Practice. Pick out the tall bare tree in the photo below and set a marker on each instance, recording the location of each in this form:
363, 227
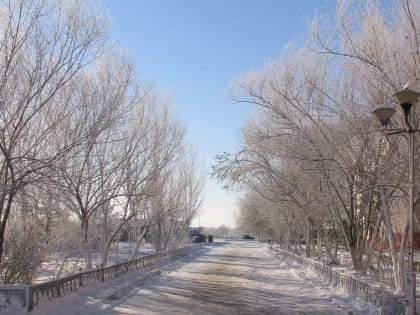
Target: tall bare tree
89, 175
43, 46
313, 125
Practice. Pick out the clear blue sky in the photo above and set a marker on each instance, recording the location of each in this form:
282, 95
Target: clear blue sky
193, 49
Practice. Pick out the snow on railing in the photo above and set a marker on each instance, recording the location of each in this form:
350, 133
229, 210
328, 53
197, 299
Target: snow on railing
354, 287
15, 295
27, 296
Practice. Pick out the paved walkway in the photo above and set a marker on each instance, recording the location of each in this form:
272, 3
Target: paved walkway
235, 278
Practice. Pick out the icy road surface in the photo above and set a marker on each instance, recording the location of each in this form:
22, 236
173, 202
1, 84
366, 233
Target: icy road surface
234, 278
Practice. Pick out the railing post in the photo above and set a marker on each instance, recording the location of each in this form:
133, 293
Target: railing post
28, 298
383, 304
80, 278
354, 287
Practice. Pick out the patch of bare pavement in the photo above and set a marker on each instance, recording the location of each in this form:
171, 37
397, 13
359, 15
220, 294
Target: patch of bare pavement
237, 277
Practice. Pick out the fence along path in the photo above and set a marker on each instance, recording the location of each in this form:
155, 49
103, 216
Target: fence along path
28, 296
381, 298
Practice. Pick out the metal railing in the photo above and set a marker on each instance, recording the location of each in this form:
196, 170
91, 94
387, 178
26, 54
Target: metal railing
28, 296
354, 287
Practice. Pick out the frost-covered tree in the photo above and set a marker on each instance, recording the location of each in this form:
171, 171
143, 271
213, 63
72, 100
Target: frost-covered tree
313, 148
43, 46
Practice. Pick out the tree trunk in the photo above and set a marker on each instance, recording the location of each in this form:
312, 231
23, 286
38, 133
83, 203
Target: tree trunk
138, 243
356, 258
168, 236
397, 262
108, 244
319, 245
3, 223
400, 266
287, 240
308, 238
86, 244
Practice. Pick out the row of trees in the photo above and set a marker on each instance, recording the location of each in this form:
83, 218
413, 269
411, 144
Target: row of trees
82, 143
313, 163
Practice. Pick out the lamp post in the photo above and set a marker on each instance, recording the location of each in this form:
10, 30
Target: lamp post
406, 98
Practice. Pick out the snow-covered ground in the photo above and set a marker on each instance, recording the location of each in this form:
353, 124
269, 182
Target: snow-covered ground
76, 263
235, 277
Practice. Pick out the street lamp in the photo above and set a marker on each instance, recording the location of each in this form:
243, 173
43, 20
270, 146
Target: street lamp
406, 98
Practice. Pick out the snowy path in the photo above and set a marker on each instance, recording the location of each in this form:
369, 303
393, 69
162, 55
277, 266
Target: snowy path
226, 278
